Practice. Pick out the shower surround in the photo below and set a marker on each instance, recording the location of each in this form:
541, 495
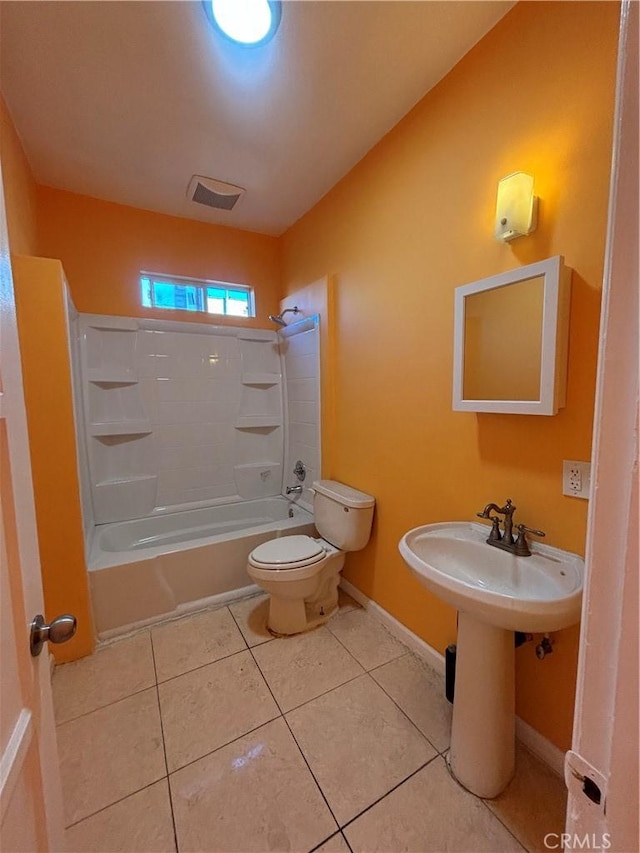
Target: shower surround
189, 434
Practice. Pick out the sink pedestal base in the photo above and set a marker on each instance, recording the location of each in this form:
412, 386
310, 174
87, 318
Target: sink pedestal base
482, 754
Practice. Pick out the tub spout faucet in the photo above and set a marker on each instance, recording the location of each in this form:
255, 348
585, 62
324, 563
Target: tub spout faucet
293, 490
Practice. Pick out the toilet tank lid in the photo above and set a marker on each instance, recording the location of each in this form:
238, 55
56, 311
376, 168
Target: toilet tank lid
343, 494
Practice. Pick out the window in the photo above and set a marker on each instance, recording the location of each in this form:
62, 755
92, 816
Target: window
176, 293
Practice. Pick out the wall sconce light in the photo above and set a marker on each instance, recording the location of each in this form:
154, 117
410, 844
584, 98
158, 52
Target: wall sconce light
517, 207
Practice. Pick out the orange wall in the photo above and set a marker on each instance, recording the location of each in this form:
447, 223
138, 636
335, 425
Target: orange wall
104, 246
405, 227
41, 311
19, 188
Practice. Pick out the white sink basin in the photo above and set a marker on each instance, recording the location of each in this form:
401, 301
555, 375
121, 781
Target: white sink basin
495, 593
539, 593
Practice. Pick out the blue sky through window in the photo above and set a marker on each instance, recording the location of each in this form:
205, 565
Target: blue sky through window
192, 295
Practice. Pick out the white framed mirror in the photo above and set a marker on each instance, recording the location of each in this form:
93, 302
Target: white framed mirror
510, 341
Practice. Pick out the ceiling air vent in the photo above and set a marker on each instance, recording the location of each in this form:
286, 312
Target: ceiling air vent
213, 193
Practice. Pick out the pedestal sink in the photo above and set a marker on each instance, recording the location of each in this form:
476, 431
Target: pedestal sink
496, 593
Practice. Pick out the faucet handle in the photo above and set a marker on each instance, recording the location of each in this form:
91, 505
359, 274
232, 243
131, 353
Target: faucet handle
495, 535
523, 529
521, 546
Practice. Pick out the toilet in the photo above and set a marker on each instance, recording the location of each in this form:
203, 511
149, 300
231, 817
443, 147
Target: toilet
301, 574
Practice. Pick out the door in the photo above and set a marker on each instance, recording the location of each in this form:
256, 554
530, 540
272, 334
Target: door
30, 793
601, 770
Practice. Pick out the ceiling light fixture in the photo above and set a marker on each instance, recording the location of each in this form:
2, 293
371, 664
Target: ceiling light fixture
250, 23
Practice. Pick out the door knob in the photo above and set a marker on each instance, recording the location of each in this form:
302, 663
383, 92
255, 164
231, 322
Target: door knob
61, 629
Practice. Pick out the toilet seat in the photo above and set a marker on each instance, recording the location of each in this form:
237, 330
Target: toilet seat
286, 553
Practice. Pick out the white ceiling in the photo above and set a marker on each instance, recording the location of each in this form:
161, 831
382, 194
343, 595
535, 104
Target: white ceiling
125, 101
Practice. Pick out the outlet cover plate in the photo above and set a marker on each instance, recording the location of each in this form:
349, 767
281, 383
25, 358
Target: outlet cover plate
576, 479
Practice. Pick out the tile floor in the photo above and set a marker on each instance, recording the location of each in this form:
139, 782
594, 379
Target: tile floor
205, 734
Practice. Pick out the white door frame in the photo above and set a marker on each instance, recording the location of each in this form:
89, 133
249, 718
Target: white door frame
605, 734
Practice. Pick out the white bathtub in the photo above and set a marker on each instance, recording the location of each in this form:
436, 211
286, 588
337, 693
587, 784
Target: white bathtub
151, 568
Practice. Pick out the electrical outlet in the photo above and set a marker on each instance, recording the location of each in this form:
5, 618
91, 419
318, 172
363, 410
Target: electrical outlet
576, 479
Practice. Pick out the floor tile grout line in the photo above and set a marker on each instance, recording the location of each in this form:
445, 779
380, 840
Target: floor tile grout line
484, 803
348, 651
402, 654
313, 775
328, 838
286, 722
360, 675
222, 746
266, 722
169, 620
119, 800
498, 818
404, 713
157, 684
202, 665
386, 794
346, 841
261, 643
108, 705
393, 660
164, 746
215, 660
155, 670
261, 672
150, 686
326, 692
233, 740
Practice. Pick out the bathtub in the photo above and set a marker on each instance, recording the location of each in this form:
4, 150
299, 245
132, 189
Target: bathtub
148, 569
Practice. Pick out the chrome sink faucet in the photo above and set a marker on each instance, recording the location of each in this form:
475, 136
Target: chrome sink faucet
518, 546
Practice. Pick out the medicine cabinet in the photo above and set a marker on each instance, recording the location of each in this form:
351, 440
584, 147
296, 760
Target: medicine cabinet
511, 339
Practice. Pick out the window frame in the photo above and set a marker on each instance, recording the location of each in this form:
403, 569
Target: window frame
201, 284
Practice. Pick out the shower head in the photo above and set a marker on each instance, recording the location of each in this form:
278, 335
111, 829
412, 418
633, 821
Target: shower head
277, 318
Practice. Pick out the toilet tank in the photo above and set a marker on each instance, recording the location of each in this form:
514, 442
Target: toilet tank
342, 515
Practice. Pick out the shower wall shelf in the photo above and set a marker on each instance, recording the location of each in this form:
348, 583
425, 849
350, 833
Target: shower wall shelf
258, 479
255, 335
123, 481
260, 378
111, 377
258, 421
253, 466
110, 324
121, 428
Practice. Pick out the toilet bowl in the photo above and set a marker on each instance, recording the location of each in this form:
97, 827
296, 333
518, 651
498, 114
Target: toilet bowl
300, 573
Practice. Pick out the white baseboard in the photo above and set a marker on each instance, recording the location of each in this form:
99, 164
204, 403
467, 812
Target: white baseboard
536, 743
399, 631
542, 748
